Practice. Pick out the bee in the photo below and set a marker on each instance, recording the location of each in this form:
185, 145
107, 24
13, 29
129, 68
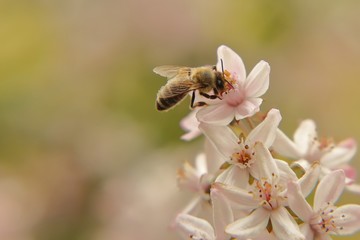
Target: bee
183, 80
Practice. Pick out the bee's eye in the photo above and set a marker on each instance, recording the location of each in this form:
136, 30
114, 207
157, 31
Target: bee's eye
219, 84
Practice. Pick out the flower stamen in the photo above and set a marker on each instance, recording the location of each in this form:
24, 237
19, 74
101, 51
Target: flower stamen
243, 158
327, 221
320, 147
266, 193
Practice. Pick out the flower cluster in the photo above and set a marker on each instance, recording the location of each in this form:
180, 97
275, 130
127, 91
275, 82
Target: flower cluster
242, 180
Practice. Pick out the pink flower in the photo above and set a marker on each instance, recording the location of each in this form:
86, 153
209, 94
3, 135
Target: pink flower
324, 218
308, 148
265, 200
242, 101
200, 229
239, 152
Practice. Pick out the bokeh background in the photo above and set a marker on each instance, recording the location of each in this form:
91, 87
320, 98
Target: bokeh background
83, 153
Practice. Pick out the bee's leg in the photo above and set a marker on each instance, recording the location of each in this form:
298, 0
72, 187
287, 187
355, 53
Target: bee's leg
198, 104
192, 99
209, 96
216, 92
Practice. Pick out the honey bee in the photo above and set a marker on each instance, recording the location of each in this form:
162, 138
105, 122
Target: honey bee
183, 80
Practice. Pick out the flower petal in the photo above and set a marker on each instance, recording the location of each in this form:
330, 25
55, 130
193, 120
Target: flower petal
257, 83
188, 178
304, 135
307, 231
348, 217
354, 188
193, 207
192, 226
190, 135
309, 179
249, 226
214, 158
329, 189
219, 114
239, 198
302, 163
222, 214
191, 125
340, 155
266, 131
284, 146
232, 62
297, 202
265, 163
284, 225
222, 138
286, 173
234, 176
247, 108
201, 164
350, 173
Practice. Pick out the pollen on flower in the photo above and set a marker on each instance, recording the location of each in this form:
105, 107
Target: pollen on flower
228, 76
320, 147
266, 193
243, 158
328, 222
326, 143
264, 190
180, 173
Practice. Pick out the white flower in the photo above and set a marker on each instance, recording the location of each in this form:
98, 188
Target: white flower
242, 101
324, 218
265, 200
200, 229
307, 148
240, 153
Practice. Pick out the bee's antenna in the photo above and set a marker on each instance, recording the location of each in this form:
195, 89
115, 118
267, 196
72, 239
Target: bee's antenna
222, 66
222, 69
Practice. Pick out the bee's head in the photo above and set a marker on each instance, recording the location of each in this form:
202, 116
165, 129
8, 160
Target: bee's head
219, 82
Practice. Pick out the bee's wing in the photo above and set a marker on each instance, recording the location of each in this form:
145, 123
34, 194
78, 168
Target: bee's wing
171, 71
178, 86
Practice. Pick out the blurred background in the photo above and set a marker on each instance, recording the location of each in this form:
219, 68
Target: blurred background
83, 152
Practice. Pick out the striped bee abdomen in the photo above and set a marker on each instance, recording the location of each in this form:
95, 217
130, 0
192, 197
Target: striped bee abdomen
169, 95
166, 103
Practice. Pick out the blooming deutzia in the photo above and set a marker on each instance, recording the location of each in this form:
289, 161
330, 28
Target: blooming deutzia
265, 200
242, 101
241, 179
324, 218
239, 153
307, 148
200, 229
